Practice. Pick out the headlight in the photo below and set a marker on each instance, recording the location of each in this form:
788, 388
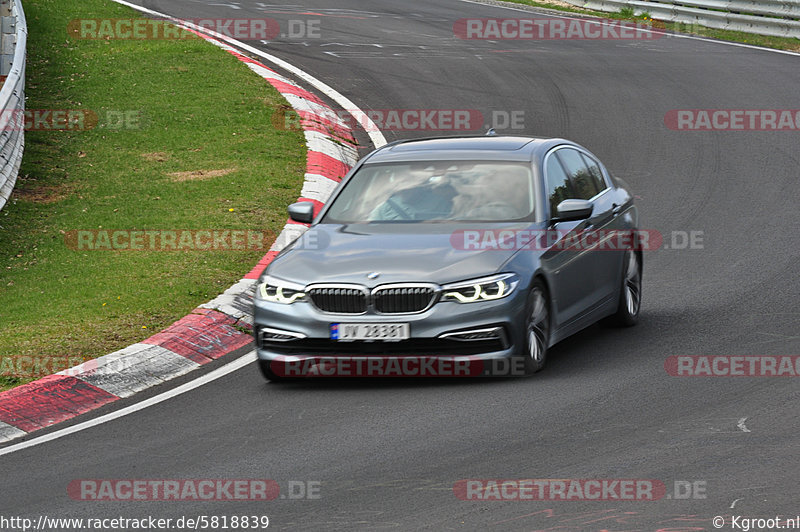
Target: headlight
279, 291
483, 289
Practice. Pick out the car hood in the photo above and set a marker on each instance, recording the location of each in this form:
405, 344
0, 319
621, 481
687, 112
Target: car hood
397, 252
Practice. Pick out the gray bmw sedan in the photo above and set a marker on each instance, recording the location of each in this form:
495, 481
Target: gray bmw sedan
451, 257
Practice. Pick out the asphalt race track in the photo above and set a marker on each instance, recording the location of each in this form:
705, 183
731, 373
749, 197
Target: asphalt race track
387, 453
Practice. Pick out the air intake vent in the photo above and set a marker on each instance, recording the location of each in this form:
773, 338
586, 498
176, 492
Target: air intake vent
403, 299
339, 299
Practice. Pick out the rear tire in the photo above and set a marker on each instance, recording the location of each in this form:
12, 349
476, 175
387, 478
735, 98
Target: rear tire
537, 328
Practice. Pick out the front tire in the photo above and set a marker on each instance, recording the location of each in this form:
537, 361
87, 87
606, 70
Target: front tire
537, 328
630, 298
266, 371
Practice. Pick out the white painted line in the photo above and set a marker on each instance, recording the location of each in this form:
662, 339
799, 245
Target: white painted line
371, 129
225, 302
132, 369
165, 365
741, 425
318, 187
299, 104
322, 143
566, 15
288, 235
262, 71
169, 394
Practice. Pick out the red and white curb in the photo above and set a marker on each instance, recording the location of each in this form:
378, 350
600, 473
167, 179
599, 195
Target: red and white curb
211, 330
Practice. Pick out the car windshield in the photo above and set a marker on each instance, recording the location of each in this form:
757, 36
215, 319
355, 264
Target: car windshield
436, 191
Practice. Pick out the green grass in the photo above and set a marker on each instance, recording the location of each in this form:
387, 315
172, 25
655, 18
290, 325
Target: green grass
627, 13
202, 110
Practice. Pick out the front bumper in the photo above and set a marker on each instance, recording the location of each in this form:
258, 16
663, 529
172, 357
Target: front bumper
426, 353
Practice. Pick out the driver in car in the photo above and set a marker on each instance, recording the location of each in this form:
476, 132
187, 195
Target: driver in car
432, 201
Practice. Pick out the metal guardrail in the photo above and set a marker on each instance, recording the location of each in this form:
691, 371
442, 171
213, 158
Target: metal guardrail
13, 42
779, 18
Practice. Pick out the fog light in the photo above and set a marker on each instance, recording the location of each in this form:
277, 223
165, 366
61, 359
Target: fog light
472, 335
268, 334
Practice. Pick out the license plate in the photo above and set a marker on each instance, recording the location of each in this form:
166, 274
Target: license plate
383, 332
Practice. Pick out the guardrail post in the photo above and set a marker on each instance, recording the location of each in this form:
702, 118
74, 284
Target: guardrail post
13, 44
8, 41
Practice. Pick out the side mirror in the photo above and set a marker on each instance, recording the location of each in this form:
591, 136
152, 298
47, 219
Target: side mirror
302, 212
573, 209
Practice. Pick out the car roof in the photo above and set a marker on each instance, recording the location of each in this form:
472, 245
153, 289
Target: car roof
489, 147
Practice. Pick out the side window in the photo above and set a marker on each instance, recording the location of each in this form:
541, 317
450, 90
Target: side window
586, 185
594, 170
558, 185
